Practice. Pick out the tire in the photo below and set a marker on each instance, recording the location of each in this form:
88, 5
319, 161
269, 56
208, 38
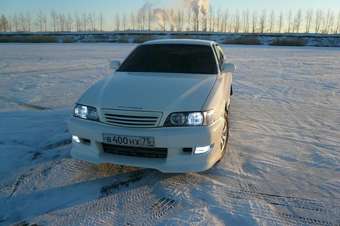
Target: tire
226, 132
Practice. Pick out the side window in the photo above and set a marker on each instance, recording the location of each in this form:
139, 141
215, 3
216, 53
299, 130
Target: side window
216, 52
219, 56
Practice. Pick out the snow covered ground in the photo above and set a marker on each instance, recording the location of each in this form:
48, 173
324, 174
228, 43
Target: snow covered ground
283, 165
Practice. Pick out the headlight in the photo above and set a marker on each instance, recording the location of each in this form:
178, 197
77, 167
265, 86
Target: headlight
181, 119
85, 112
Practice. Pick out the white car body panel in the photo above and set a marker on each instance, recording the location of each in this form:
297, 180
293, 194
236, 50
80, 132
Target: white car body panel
180, 92
162, 93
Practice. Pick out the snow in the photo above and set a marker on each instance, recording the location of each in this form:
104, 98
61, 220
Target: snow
282, 166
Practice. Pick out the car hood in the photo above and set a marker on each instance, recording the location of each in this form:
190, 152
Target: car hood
152, 91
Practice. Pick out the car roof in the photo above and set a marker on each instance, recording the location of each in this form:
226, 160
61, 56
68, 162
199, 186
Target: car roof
180, 42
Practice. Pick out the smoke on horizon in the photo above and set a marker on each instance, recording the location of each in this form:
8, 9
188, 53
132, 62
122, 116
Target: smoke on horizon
161, 15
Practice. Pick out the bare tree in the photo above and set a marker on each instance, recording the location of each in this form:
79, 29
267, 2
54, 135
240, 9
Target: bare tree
218, 20
62, 22
297, 21
189, 20
309, 18
54, 20
245, 18
254, 22
45, 22
149, 17
78, 22
117, 22
328, 22
263, 19
237, 21
271, 21
2, 27
211, 18
289, 21
69, 22
92, 19
101, 21
140, 21
3, 23
178, 20
28, 22
84, 22
22, 22
132, 21
196, 19
171, 18
142, 16
16, 22
225, 20
182, 24
318, 20
9, 23
39, 20
124, 22
280, 25
337, 29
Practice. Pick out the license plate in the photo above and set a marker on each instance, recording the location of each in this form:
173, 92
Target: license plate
135, 141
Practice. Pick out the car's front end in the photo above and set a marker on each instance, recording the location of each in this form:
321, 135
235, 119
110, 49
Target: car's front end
144, 139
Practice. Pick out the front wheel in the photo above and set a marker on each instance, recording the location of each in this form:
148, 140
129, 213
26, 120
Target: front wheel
225, 134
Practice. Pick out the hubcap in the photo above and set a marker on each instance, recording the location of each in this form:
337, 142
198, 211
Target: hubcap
224, 136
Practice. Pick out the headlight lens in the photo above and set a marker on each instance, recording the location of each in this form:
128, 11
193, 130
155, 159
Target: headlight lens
85, 112
178, 119
195, 119
181, 119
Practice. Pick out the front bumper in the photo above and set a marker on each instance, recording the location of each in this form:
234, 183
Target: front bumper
174, 139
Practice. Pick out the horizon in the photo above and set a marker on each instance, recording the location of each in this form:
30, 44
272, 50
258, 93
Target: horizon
180, 15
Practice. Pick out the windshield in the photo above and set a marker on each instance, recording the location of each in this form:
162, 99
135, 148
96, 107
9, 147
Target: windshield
171, 58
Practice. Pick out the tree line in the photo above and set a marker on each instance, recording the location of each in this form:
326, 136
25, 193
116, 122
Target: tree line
156, 19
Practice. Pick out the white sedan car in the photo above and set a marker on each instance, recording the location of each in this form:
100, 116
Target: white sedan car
165, 107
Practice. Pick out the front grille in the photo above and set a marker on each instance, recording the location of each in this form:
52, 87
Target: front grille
131, 118
159, 153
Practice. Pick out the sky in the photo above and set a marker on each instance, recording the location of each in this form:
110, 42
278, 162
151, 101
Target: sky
109, 7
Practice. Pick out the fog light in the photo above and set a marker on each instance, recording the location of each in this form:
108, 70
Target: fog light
75, 139
204, 149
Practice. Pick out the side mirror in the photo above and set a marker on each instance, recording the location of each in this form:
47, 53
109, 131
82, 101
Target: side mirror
228, 68
115, 64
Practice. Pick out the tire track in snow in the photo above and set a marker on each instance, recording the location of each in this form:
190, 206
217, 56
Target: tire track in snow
67, 172
285, 209
56, 70
129, 201
141, 206
24, 104
57, 144
237, 195
146, 197
35, 175
252, 191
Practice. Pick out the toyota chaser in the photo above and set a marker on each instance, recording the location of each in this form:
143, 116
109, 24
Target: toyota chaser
164, 107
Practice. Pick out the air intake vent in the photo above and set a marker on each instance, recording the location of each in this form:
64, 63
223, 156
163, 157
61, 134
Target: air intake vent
131, 118
158, 153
